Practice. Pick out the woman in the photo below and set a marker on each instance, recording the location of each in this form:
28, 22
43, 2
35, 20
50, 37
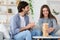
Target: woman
47, 17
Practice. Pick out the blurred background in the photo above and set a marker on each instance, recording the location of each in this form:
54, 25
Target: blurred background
8, 8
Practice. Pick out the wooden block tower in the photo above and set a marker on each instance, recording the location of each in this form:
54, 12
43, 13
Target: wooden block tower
45, 27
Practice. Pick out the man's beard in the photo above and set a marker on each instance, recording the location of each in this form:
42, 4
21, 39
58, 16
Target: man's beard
27, 12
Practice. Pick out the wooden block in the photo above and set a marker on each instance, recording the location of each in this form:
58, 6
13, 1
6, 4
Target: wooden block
58, 38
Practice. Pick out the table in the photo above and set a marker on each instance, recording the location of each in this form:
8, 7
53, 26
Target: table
41, 37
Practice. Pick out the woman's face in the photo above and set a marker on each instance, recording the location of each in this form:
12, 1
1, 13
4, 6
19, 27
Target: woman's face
45, 12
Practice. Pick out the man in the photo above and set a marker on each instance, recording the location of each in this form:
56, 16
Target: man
20, 25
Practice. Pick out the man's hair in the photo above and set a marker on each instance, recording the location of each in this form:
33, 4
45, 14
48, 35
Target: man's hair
22, 4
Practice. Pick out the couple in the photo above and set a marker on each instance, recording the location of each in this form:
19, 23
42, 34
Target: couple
21, 27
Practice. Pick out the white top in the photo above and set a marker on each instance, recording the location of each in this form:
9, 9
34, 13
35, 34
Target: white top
22, 21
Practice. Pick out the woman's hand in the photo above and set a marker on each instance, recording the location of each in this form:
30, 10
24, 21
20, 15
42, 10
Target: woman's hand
49, 30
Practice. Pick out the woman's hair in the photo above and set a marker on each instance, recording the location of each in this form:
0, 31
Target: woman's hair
49, 15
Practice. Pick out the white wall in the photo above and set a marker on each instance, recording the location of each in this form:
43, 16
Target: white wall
36, 6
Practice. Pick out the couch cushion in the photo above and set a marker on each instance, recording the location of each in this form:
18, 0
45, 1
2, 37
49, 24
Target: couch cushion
4, 30
1, 36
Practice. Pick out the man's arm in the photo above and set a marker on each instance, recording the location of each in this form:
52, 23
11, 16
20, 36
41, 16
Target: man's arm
13, 26
30, 25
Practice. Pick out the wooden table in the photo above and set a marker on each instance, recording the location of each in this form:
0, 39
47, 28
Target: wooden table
49, 37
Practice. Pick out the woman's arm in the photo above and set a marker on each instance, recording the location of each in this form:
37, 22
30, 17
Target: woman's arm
39, 24
55, 25
54, 28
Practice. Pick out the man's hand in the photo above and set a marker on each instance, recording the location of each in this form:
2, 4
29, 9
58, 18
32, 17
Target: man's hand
32, 24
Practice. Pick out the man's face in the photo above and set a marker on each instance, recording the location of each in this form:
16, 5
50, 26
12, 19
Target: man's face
26, 9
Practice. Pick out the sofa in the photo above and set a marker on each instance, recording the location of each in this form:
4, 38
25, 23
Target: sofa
4, 32
1, 36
